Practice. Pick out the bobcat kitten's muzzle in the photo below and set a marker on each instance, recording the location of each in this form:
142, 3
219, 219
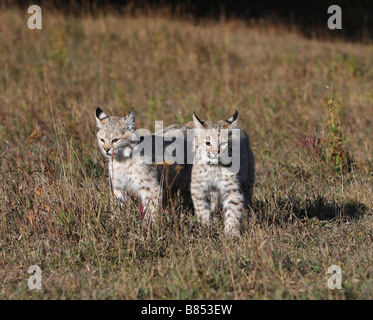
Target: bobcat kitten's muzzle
111, 151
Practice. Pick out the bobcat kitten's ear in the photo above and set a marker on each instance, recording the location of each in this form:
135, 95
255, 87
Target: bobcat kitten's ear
197, 122
130, 121
233, 121
101, 118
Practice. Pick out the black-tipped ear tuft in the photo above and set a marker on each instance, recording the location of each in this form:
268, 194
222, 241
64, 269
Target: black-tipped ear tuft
233, 118
100, 114
197, 119
130, 120
101, 117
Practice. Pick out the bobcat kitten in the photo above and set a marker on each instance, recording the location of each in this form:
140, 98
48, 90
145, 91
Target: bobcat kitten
127, 174
212, 179
134, 174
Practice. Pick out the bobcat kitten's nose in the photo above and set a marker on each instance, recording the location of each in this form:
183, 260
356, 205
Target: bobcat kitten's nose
107, 150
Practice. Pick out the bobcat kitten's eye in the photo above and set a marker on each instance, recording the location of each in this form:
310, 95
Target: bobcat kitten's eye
208, 143
102, 140
114, 140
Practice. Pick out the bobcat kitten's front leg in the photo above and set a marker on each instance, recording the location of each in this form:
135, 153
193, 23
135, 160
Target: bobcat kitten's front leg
233, 206
150, 206
150, 193
233, 202
200, 197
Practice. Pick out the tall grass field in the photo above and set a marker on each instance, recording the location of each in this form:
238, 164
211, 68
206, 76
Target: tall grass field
306, 104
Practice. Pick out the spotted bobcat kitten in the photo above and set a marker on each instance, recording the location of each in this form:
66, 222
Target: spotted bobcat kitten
213, 179
127, 174
130, 172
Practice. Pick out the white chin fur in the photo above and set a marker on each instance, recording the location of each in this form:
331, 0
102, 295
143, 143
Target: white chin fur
214, 160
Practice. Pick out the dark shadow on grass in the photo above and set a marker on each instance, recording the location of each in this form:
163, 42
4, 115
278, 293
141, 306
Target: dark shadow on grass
284, 210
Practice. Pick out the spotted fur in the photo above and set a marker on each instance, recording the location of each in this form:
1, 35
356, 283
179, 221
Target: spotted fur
133, 175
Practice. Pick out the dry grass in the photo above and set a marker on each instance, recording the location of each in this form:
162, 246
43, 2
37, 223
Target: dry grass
54, 194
